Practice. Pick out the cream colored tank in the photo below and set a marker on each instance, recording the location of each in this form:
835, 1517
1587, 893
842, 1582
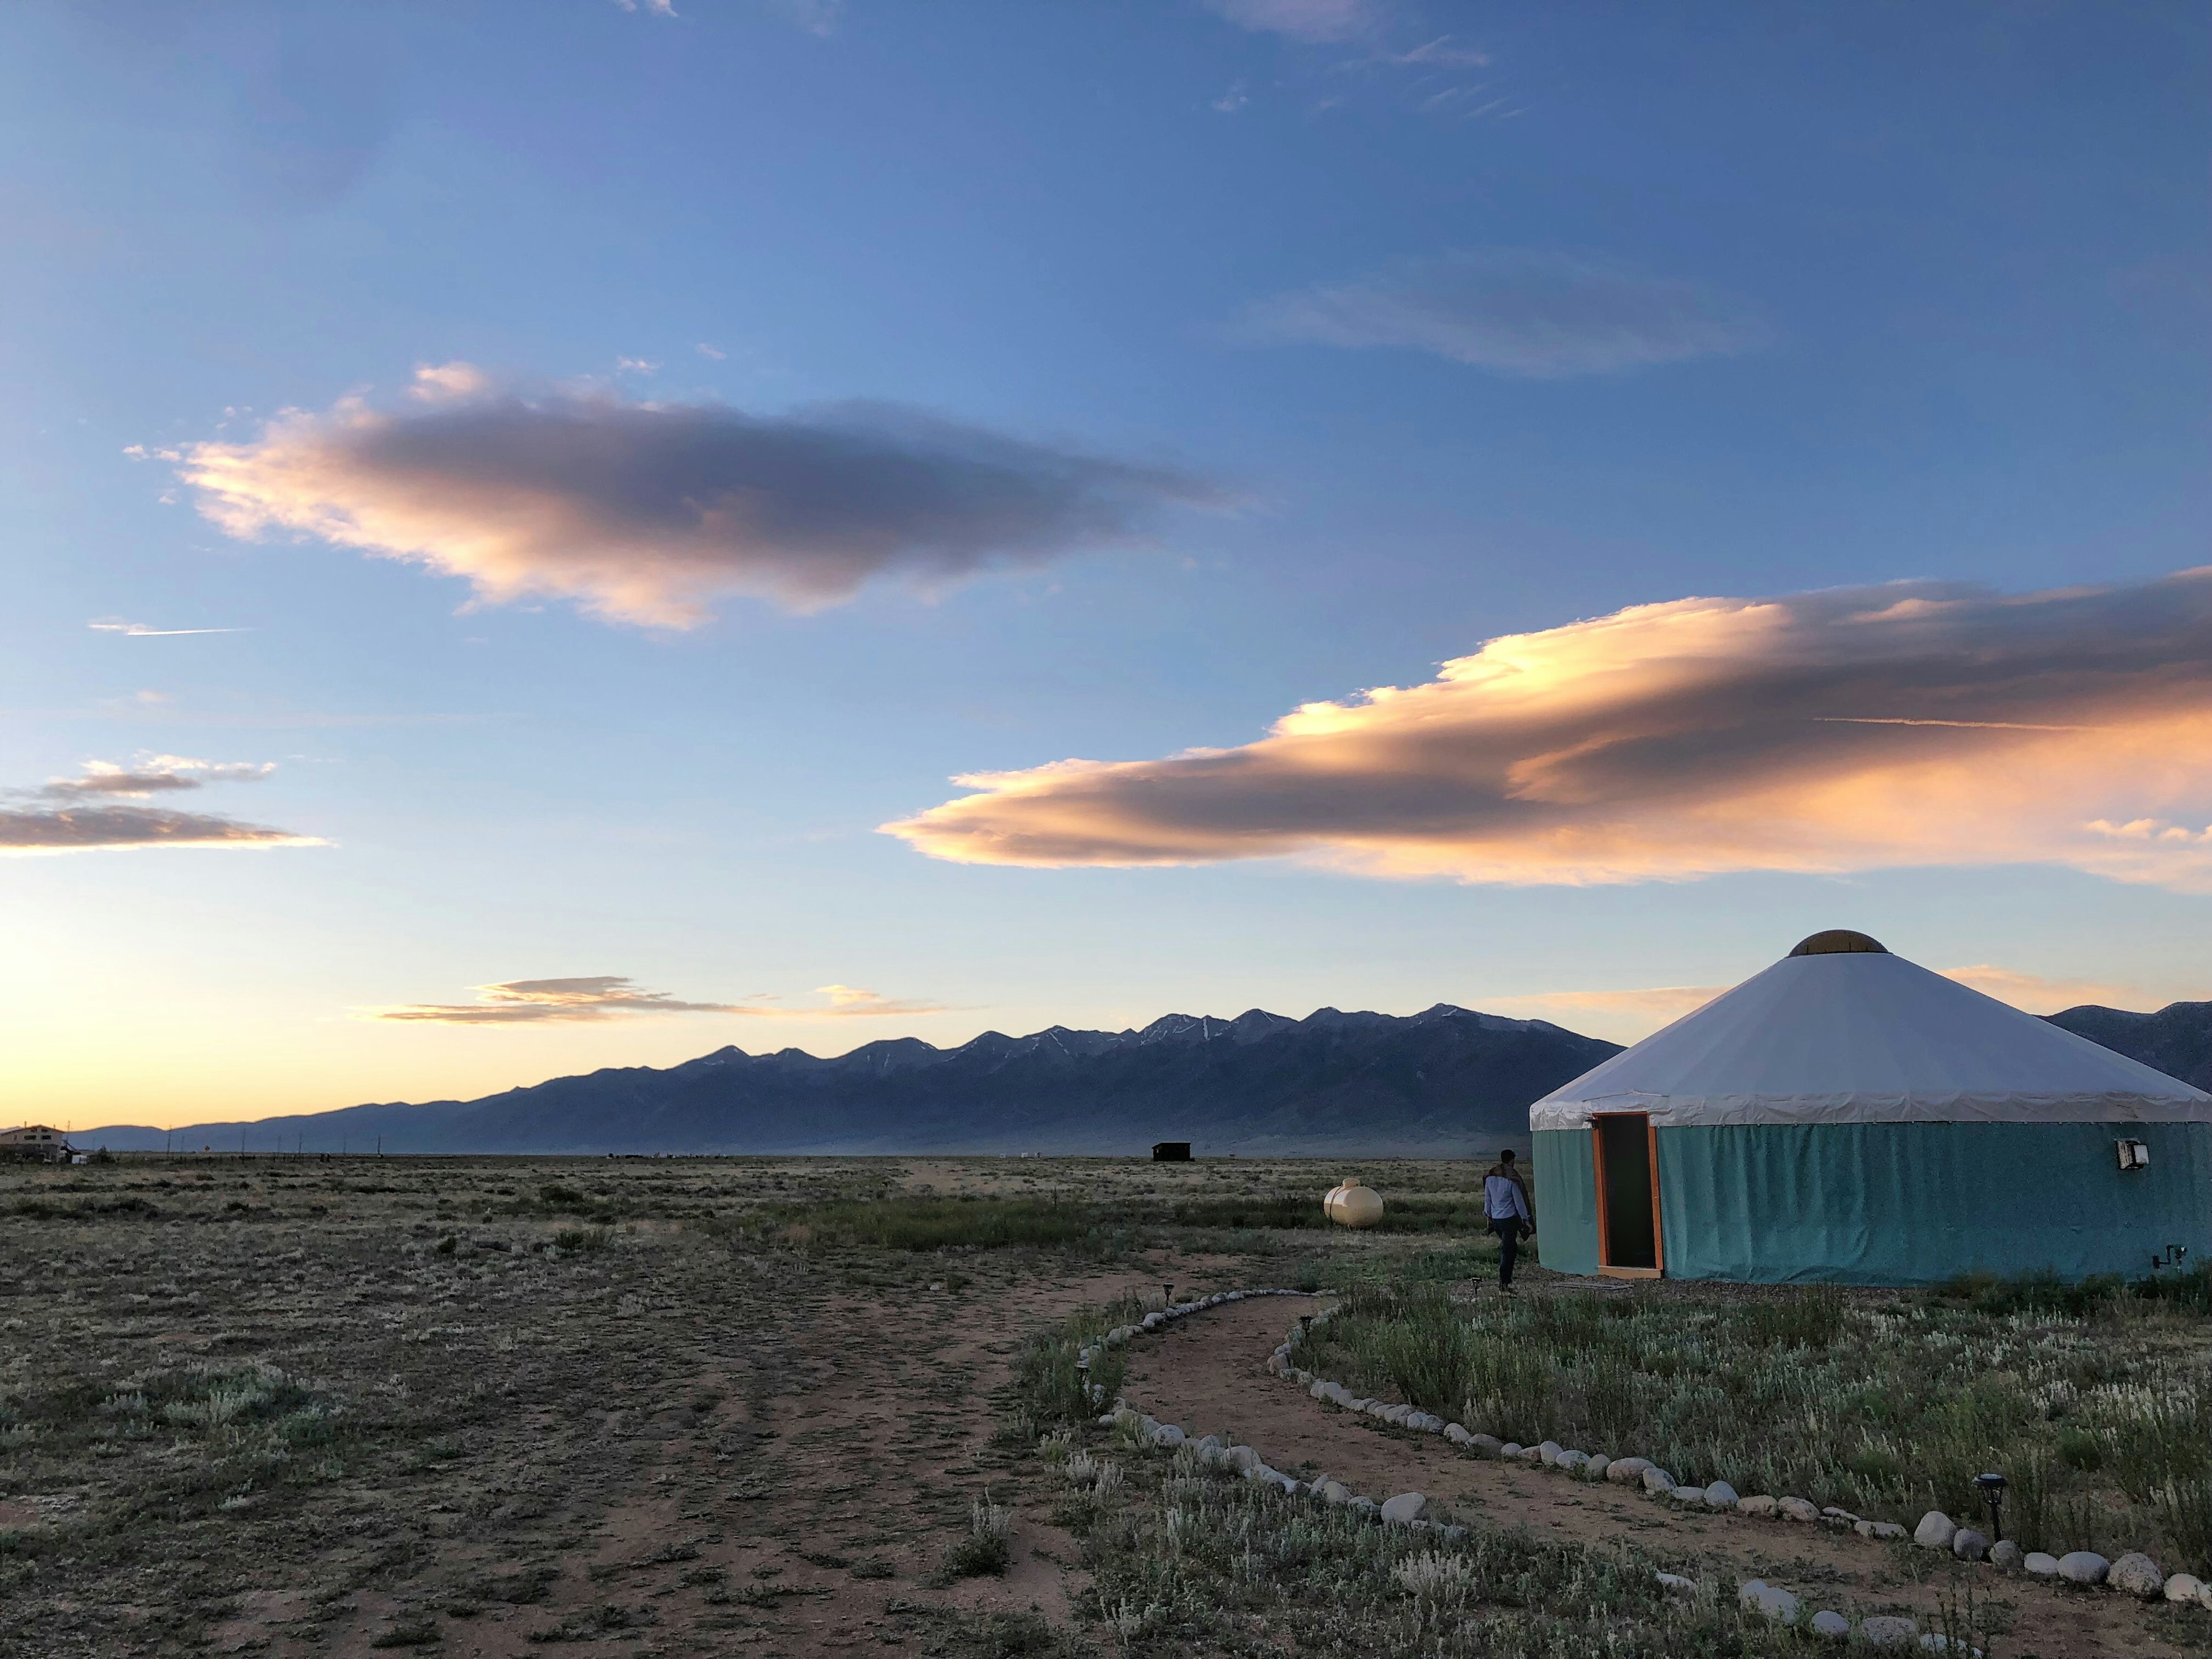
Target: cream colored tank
1349, 1204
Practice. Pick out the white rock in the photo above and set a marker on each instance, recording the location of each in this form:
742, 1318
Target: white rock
1242, 1459
2039, 1564
1657, 1479
2004, 1555
1777, 1603
1721, 1496
1881, 1531
1760, 1505
1511, 1448
1796, 1509
1488, 1444
1676, 1583
1572, 1460
1407, 1506
1548, 1452
1841, 1519
1595, 1469
1318, 1390
1968, 1545
1887, 1631
1626, 1471
1833, 1625
1526, 1455
1335, 1492
1458, 1436
2185, 1587
1168, 1434
2137, 1574
1935, 1531
2083, 1567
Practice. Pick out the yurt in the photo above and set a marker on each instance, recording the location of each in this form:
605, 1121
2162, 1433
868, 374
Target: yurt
1849, 1118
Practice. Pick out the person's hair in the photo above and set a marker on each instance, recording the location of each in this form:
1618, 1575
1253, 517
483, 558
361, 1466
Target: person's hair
1505, 1156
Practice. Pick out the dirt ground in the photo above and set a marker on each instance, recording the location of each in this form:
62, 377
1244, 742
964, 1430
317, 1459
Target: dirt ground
663, 1440
1207, 1374
549, 1406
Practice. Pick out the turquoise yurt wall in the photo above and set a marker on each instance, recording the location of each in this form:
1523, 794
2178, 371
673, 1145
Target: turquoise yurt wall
1848, 1117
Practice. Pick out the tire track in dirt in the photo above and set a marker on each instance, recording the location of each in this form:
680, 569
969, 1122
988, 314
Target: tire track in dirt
1206, 1372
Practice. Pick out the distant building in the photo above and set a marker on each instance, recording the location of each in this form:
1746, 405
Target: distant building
35, 1141
1172, 1152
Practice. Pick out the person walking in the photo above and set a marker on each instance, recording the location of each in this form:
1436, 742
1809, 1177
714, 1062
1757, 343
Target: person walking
1505, 1203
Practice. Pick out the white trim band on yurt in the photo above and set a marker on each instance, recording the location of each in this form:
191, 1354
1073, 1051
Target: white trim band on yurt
1842, 1031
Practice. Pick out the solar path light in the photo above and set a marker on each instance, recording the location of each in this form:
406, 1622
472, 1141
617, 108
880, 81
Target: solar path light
1992, 1487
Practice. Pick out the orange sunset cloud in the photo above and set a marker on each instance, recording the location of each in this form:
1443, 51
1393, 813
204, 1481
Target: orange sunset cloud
1917, 723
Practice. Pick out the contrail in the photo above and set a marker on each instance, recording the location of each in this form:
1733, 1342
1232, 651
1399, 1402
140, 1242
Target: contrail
139, 631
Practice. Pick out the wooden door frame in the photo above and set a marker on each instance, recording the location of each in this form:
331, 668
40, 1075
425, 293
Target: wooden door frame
1607, 1270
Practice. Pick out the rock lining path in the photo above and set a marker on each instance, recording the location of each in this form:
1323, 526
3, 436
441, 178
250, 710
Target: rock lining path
1206, 1372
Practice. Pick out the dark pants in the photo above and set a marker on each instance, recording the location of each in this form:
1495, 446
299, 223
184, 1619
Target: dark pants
1509, 1243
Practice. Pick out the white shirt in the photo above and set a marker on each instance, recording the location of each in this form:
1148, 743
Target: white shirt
1502, 1201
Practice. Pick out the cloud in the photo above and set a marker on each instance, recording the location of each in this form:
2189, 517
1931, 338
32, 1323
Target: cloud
120, 829
38, 826
1315, 21
1541, 316
713, 354
536, 1001
652, 7
152, 774
1918, 723
1648, 1009
2035, 995
602, 996
647, 512
1439, 53
140, 631
850, 1001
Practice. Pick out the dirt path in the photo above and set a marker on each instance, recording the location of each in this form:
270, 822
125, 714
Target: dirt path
1207, 1373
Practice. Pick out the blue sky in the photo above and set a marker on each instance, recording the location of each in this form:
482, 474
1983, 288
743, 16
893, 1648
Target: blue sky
1246, 356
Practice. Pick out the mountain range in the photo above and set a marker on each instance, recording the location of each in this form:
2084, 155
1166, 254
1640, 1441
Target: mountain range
1447, 1081
2177, 1039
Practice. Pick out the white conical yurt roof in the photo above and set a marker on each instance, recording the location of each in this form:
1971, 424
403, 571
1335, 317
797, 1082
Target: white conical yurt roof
1842, 1031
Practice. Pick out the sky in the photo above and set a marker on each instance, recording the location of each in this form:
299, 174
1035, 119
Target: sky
569, 533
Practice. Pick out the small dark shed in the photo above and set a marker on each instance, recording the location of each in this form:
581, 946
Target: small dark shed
1172, 1152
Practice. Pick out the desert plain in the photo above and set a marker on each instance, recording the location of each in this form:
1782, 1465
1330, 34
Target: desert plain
504, 1407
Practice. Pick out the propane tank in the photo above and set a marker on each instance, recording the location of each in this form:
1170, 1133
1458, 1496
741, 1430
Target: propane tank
1349, 1204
